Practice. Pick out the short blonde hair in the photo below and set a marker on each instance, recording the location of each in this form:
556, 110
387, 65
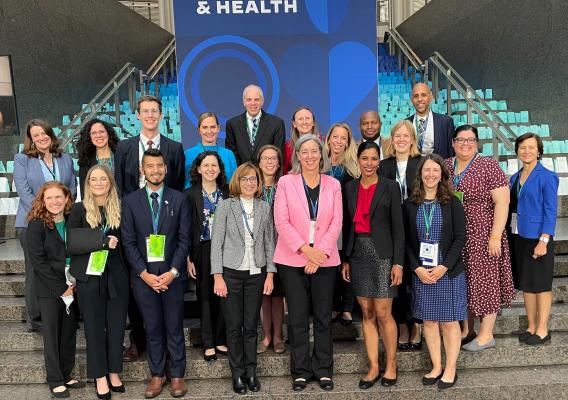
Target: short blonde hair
242, 170
390, 151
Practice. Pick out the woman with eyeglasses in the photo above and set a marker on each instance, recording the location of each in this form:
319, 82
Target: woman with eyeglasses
208, 189
242, 247
483, 188
270, 165
96, 146
308, 213
102, 278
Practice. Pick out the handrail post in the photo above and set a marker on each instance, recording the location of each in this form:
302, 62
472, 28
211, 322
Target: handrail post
425, 71
449, 102
116, 106
468, 105
399, 52
131, 92
435, 83
405, 61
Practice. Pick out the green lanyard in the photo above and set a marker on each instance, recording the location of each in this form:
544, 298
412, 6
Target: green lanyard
428, 218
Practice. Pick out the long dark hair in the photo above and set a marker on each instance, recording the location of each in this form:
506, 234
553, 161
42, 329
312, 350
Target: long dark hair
445, 190
85, 147
195, 177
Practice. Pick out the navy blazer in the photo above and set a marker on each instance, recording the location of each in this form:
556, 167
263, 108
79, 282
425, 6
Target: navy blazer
387, 228
537, 202
29, 178
443, 134
127, 164
452, 240
270, 131
136, 226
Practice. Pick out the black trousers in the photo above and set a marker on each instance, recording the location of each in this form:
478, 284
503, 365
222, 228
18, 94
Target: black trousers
104, 318
163, 320
212, 322
241, 309
59, 331
300, 289
137, 332
33, 314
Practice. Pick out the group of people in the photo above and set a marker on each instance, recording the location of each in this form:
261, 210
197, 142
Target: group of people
422, 231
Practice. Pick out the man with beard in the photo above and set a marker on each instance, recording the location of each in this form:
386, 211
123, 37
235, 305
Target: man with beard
155, 230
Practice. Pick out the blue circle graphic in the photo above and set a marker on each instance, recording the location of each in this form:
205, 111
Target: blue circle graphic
212, 57
232, 39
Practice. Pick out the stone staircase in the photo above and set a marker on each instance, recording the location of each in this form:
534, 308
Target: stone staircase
511, 370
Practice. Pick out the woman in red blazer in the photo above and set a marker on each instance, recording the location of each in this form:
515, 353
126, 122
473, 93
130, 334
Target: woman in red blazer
308, 217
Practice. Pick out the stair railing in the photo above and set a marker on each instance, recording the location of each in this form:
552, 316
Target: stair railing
406, 56
165, 63
474, 102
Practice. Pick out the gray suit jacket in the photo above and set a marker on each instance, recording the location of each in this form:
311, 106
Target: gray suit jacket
29, 178
228, 236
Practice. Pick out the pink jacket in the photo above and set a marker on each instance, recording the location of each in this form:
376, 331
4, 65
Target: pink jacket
292, 220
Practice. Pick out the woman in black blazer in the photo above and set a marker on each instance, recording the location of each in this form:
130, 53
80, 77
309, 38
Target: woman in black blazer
102, 290
400, 165
46, 238
435, 226
96, 145
208, 188
374, 253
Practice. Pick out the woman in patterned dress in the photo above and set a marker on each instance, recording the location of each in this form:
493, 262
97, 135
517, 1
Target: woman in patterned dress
208, 188
270, 165
484, 190
434, 216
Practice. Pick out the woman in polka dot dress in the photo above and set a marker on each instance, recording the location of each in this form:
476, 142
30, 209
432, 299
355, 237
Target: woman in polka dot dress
484, 190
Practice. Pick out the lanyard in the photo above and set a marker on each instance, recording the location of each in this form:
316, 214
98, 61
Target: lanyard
457, 178
245, 218
53, 172
212, 200
268, 194
402, 182
428, 218
313, 205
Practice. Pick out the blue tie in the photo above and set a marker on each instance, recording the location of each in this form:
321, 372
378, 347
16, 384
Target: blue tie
155, 204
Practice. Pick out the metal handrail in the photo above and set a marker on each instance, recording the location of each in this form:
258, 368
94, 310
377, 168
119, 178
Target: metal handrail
167, 55
410, 56
161, 59
485, 112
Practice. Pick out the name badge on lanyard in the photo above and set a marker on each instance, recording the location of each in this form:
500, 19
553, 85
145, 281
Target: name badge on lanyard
314, 208
514, 228
155, 243
428, 248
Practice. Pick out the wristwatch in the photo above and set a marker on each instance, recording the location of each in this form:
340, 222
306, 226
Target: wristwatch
544, 239
174, 271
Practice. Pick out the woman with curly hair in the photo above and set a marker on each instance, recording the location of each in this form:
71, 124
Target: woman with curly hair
208, 188
96, 145
46, 239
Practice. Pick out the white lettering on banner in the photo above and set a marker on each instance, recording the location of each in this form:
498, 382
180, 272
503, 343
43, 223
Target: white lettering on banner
203, 7
250, 7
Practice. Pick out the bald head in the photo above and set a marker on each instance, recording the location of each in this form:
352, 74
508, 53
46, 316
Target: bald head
421, 98
253, 99
370, 125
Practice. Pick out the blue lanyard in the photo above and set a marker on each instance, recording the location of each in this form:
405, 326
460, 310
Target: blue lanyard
268, 194
53, 172
246, 220
457, 178
428, 218
313, 205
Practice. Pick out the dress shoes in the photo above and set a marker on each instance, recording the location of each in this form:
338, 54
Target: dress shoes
475, 346
326, 384
75, 384
426, 381
253, 383
279, 348
415, 346
446, 385
130, 354
209, 357
261, 348
523, 337
364, 385
536, 340
222, 352
299, 384
178, 387
387, 382
239, 386
154, 387
117, 389
403, 346
60, 395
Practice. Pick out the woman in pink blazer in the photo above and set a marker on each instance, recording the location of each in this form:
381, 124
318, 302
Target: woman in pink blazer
308, 217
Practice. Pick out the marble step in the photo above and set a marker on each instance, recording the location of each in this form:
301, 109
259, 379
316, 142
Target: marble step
493, 383
12, 285
349, 358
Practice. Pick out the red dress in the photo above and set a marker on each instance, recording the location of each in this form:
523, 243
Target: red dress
489, 279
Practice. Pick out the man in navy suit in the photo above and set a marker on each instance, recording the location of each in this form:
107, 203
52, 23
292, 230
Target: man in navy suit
246, 133
434, 131
127, 159
155, 230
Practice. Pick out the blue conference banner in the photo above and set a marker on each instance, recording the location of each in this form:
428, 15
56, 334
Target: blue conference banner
316, 53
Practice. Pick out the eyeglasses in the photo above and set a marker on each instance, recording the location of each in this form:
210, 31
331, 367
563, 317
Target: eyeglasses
98, 133
269, 159
462, 140
249, 179
153, 111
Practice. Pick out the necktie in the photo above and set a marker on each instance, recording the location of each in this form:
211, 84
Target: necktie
421, 131
150, 144
254, 129
155, 204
